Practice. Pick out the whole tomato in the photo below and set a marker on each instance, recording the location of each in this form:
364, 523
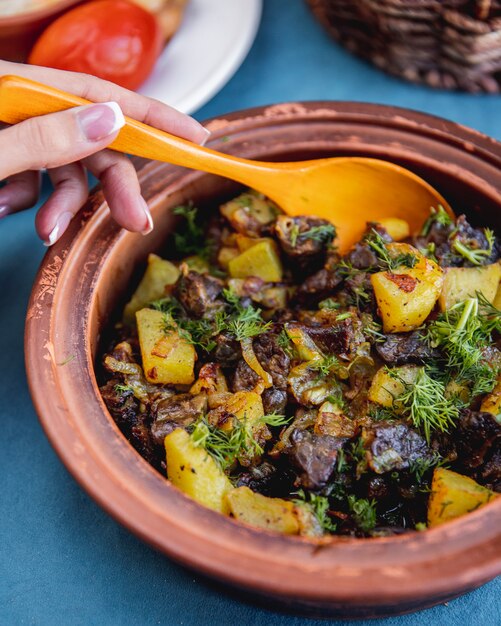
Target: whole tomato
113, 39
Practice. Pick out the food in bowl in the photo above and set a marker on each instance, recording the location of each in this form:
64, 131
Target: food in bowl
309, 393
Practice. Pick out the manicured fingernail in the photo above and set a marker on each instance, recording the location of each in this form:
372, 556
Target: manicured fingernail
98, 121
61, 225
206, 138
4, 210
149, 220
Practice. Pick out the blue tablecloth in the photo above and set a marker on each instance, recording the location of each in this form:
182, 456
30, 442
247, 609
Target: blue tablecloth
64, 561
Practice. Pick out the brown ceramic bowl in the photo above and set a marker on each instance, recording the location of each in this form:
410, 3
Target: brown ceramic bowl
18, 32
87, 274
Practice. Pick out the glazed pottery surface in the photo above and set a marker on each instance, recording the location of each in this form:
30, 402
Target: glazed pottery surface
92, 270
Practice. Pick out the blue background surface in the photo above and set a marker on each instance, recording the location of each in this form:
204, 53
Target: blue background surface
64, 561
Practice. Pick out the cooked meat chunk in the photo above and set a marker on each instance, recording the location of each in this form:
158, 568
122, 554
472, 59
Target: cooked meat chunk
443, 236
227, 351
362, 256
315, 456
274, 400
176, 412
318, 286
476, 437
394, 447
244, 378
341, 338
490, 472
303, 235
404, 348
199, 293
272, 358
133, 423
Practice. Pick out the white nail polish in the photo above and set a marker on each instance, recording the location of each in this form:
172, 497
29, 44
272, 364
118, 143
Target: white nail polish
119, 116
206, 138
149, 220
53, 236
61, 225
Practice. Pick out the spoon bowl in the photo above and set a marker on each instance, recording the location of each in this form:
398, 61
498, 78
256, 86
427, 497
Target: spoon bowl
348, 191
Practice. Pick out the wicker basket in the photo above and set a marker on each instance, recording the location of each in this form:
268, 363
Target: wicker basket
451, 44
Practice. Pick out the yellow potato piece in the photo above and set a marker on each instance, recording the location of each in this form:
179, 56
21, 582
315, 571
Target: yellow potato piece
385, 389
195, 473
257, 510
407, 295
492, 401
246, 405
464, 282
158, 274
453, 495
260, 260
497, 298
167, 357
397, 228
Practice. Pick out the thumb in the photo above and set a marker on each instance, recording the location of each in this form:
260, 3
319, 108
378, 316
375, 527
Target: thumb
59, 138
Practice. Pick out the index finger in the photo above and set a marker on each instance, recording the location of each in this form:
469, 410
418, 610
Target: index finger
138, 107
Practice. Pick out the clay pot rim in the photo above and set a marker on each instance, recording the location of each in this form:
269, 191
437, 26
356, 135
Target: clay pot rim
18, 19
311, 552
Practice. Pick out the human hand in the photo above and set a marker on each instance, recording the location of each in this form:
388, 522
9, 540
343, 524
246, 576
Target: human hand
69, 142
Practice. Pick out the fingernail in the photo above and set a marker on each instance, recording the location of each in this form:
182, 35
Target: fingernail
149, 220
4, 210
61, 225
98, 121
205, 139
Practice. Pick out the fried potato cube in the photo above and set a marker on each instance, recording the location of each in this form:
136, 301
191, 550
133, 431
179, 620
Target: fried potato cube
257, 510
385, 388
464, 282
195, 473
158, 274
407, 295
261, 260
396, 227
453, 495
167, 357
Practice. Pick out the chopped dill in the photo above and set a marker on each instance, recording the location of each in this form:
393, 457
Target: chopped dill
121, 389
422, 465
225, 446
323, 234
358, 456
363, 512
329, 304
319, 506
437, 216
424, 403
387, 260
324, 365
284, 341
343, 316
462, 332
476, 256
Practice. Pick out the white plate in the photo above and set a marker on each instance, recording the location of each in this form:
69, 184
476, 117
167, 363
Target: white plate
213, 40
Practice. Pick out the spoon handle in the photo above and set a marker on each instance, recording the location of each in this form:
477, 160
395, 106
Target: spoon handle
21, 98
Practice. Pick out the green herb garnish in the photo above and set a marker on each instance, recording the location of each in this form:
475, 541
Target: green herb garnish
476, 256
425, 405
386, 259
323, 234
319, 506
363, 512
437, 216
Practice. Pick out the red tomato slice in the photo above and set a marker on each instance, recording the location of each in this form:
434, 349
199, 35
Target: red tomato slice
113, 39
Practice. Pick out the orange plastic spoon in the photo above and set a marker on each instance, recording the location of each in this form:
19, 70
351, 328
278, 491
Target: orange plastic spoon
348, 191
